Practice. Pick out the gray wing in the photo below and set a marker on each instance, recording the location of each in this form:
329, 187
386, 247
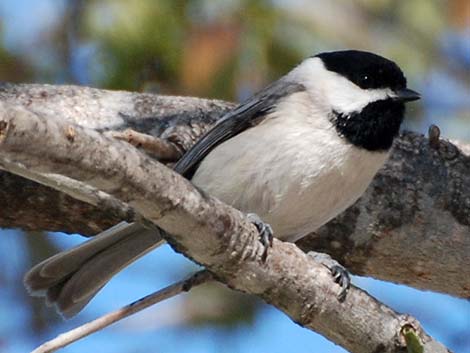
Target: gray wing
246, 115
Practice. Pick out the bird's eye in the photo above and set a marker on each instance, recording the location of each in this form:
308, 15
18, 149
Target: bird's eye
365, 78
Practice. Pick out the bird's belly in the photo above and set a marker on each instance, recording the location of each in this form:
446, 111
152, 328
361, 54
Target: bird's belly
296, 182
309, 202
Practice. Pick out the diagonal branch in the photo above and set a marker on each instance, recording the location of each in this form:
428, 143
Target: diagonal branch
412, 225
208, 231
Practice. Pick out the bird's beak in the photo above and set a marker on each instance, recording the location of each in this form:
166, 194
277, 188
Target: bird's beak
406, 95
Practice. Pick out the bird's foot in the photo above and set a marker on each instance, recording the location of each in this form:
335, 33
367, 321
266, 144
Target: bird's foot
265, 233
339, 273
341, 277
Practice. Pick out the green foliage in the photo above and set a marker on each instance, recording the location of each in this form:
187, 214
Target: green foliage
413, 342
139, 40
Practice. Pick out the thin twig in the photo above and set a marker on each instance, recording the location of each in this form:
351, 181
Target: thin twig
160, 148
87, 329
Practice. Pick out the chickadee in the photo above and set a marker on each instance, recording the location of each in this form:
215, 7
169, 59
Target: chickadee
296, 154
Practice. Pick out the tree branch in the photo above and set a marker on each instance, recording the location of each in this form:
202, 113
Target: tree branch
412, 225
210, 232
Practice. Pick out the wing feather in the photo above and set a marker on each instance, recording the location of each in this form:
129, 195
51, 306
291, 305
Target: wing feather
246, 115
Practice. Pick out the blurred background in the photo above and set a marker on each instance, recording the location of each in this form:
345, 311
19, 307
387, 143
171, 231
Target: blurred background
228, 50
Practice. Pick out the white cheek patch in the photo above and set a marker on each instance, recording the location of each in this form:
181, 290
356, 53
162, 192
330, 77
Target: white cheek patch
334, 90
347, 101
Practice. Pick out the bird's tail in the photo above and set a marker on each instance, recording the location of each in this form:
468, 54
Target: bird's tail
71, 278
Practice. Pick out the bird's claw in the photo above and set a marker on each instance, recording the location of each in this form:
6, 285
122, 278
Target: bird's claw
339, 273
265, 233
341, 276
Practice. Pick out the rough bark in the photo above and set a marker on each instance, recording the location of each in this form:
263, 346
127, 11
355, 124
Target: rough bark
208, 231
412, 225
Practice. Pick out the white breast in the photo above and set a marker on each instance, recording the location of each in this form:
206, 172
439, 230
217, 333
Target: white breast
292, 170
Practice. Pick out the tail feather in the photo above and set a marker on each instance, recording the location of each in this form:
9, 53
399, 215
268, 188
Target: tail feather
54, 269
72, 278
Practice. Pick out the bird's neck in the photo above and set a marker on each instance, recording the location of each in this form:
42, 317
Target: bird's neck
374, 127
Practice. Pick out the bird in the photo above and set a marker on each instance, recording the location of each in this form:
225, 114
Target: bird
293, 156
